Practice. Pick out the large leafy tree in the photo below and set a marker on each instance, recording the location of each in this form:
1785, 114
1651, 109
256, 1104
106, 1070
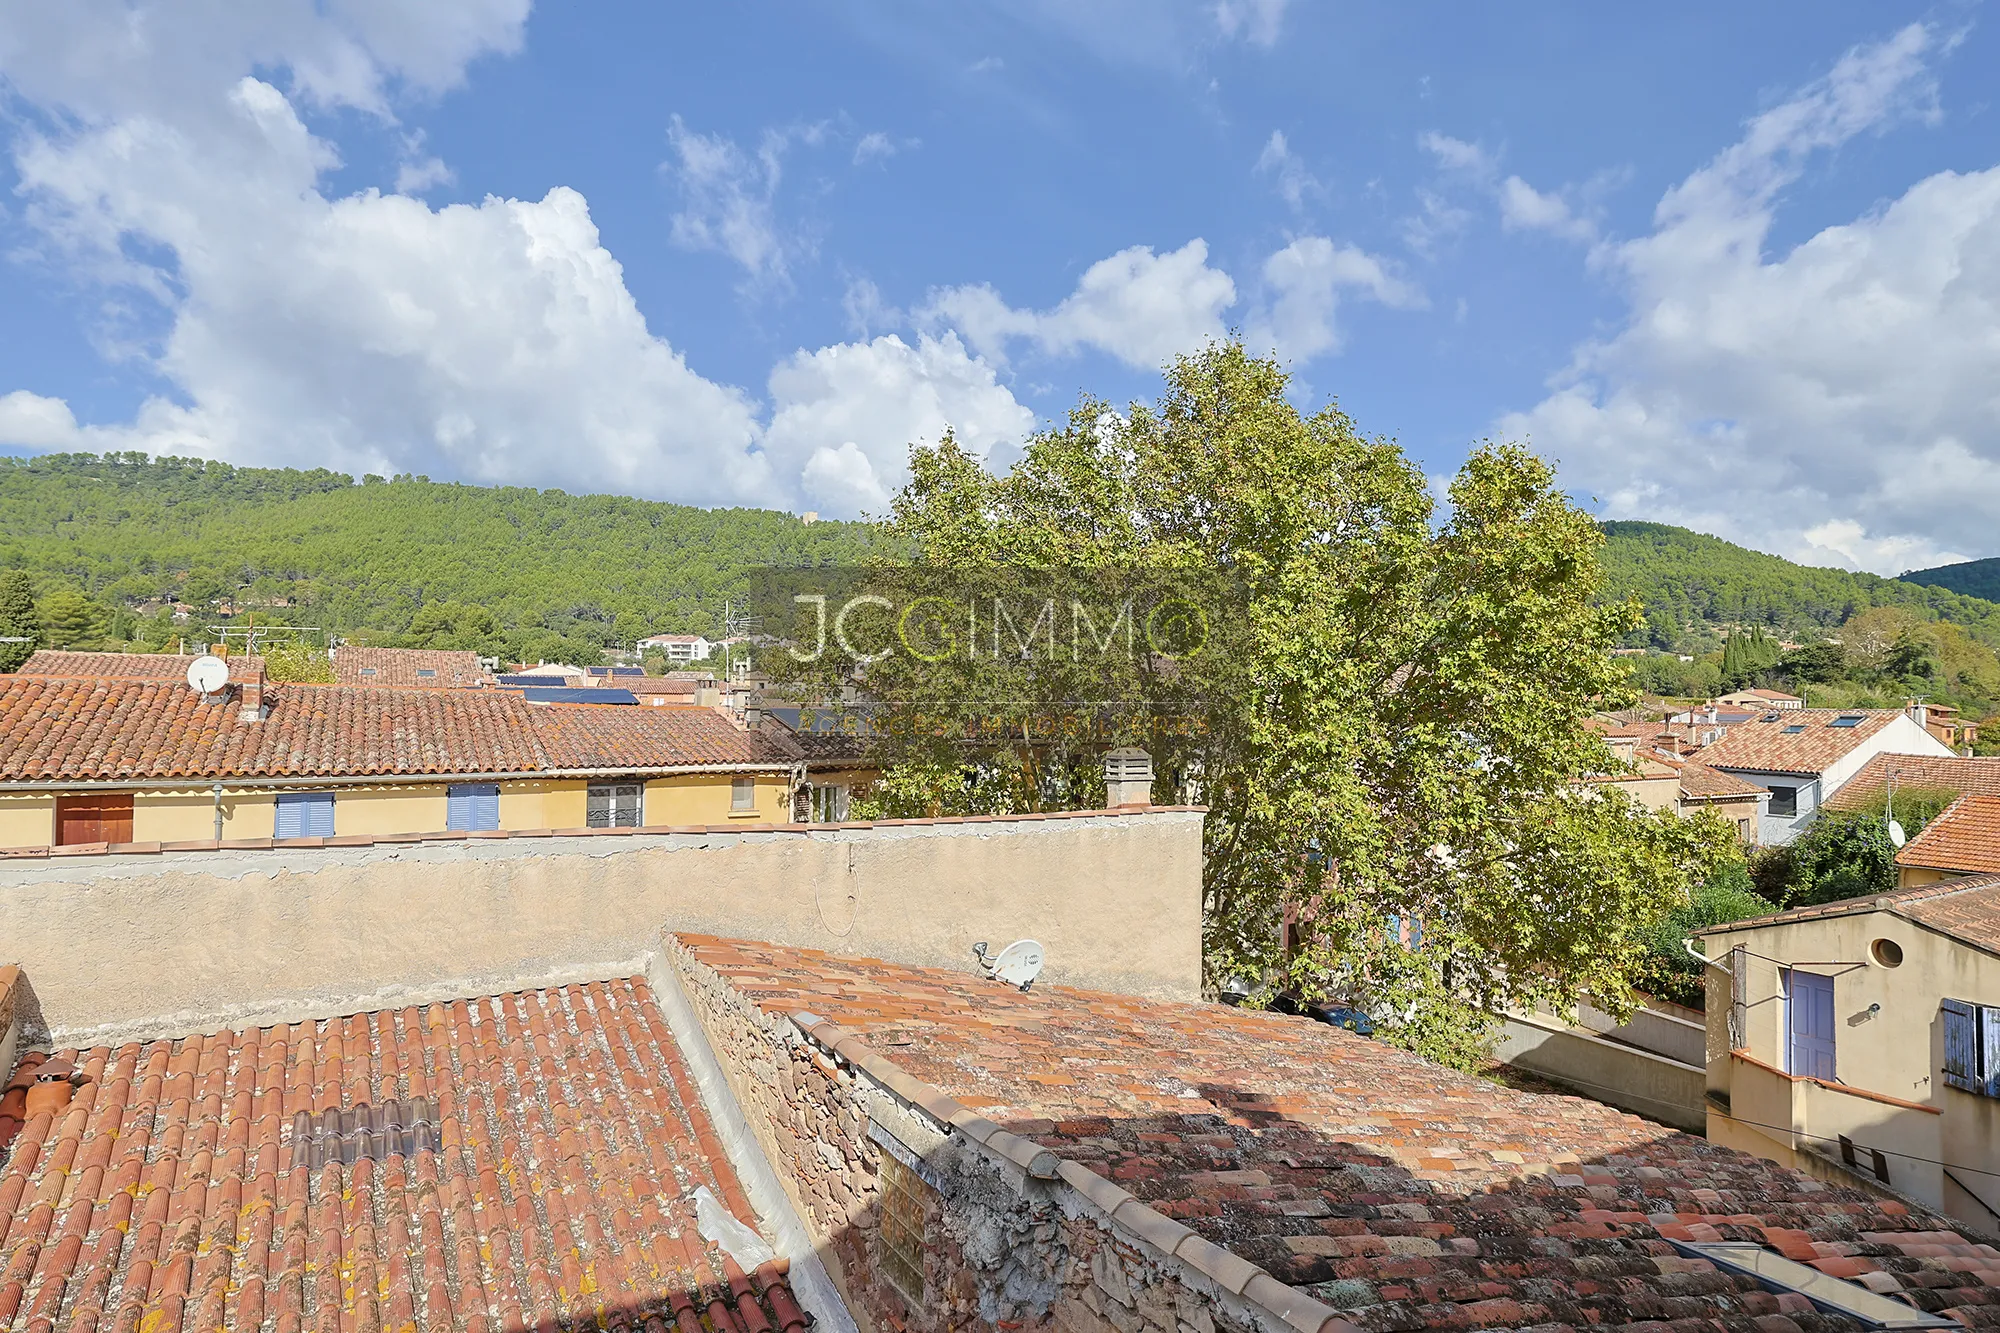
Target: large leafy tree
1386, 718
18, 619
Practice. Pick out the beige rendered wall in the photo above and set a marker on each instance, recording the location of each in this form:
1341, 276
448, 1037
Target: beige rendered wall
27, 820
1897, 1050
705, 798
254, 937
189, 816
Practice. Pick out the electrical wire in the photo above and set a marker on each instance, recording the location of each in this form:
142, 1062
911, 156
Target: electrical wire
1758, 1124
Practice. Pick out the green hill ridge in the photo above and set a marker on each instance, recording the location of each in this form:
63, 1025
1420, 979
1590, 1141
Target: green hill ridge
1974, 578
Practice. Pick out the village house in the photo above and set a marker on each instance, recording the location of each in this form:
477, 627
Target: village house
679, 647
1759, 699
1860, 1039
88, 760
1926, 776
1803, 756
406, 668
1963, 840
1943, 721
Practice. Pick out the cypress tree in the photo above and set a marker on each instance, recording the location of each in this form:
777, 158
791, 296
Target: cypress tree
17, 619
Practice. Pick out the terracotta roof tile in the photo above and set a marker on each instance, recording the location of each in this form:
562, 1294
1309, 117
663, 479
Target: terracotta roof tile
606, 736
1408, 1195
1914, 772
107, 729
1967, 909
1965, 839
1699, 782
170, 1191
134, 666
404, 668
1772, 747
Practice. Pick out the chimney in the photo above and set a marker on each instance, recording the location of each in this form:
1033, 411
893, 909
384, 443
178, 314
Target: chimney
1920, 714
250, 702
753, 714
1128, 778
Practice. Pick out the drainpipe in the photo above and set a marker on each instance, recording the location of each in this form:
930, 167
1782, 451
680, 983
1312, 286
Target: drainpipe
218, 812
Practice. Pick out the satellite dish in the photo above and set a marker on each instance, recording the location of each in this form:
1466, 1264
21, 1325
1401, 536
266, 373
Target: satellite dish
1896, 834
207, 675
1019, 964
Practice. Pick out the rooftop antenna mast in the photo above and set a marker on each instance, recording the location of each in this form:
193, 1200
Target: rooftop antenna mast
737, 622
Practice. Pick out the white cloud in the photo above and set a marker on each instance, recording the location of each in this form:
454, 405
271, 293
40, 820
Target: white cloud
1305, 281
1457, 154
873, 146
494, 342
1140, 307
729, 199
1524, 208
1832, 402
844, 417
1294, 181
1255, 21
419, 175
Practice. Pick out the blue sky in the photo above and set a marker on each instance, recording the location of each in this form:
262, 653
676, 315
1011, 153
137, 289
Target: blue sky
1734, 266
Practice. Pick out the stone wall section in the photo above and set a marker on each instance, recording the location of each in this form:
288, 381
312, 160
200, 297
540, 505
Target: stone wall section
1015, 1236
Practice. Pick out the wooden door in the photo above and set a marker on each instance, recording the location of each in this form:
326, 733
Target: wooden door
97, 817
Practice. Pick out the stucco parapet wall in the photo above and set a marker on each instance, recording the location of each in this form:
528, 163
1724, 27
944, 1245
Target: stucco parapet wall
1271, 1303
651, 835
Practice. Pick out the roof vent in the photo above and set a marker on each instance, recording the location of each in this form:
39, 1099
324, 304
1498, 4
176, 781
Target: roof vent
387, 1129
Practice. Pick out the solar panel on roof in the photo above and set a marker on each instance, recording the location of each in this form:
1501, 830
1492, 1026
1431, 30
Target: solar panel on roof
576, 694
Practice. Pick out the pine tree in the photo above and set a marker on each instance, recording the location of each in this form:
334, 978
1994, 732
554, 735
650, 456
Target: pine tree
17, 619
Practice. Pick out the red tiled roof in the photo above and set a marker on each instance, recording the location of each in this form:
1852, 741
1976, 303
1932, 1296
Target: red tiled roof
1964, 839
1767, 747
173, 1191
1699, 782
1917, 772
1409, 1195
137, 666
599, 736
1967, 909
403, 668
100, 729
658, 685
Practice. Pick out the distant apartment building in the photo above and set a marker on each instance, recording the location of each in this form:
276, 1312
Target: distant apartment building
679, 647
1802, 756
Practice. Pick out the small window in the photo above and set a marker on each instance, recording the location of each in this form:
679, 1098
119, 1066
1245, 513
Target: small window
425, 673
304, 814
367, 671
1784, 801
1886, 953
1794, 729
1850, 721
829, 804
472, 807
906, 1200
742, 795
614, 805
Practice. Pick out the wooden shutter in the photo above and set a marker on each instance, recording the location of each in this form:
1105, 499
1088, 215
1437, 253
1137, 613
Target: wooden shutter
1961, 1044
472, 807
95, 817
304, 814
1989, 1050
1809, 998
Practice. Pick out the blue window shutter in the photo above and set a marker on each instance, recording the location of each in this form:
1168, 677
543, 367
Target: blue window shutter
1809, 998
1989, 1050
1961, 1044
304, 814
472, 807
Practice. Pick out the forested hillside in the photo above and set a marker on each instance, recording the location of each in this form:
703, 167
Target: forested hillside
1688, 580
520, 572
1974, 578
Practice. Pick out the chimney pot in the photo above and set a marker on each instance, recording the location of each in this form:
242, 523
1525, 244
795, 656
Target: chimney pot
1128, 777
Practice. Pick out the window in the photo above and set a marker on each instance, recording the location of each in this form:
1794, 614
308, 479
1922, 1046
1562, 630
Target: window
906, 1202
1835, 1295
1853, 720
425, 673
1745, 830
1784, 801
829, 803
97, 817
1971, 1047
1794, 729
614, 805
367, 671
472, 807
1886, 953
304, 814
1809, 1021
742, 795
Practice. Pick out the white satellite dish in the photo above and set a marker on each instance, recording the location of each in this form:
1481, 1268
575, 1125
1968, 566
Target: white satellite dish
207, 675
1896, 834
1019, 964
